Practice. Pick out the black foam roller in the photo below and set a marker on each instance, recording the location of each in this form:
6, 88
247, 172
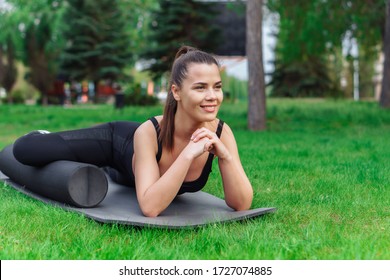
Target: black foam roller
74, 183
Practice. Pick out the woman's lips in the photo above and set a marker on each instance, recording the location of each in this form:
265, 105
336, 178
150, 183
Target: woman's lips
209, 108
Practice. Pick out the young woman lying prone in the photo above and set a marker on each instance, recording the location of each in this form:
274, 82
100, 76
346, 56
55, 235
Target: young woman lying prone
166, 155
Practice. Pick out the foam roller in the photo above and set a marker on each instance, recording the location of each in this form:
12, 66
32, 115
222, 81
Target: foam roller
74, 183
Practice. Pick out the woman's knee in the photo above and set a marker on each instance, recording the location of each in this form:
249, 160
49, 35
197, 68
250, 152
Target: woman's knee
28, 148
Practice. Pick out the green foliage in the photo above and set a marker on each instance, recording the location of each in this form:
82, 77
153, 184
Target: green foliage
40, 60
177, 23
368, 57
316, 27
97, 43
233, 88
17, 97
34, 29
309, 78
138, 15
367, 20
300, 66
8, 71
26, 14
136, 97
102, 38
312, 31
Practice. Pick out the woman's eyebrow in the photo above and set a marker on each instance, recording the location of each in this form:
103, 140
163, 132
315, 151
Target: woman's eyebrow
204, 84
199, 83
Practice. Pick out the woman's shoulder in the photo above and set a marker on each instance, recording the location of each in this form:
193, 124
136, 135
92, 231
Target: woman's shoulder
150, 122
157, 118
148, 127
225, 130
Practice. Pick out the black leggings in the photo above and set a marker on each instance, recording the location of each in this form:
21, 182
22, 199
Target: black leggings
106, 145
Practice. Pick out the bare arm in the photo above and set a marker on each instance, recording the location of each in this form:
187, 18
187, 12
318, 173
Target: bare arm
237, 188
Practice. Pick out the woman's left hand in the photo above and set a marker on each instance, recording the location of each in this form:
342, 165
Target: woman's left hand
237, 188
213, 145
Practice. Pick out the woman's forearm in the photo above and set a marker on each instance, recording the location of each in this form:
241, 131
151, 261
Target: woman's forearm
160, 194
237, 188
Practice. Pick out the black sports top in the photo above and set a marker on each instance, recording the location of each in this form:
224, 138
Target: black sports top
198, 184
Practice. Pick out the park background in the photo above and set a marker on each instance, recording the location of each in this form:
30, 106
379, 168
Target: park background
311, 120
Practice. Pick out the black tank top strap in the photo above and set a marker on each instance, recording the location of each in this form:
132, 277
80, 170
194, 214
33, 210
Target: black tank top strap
209, 162
158, 129
211, 156
219, 128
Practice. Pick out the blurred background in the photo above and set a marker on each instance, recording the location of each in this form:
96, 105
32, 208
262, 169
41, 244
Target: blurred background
83, 51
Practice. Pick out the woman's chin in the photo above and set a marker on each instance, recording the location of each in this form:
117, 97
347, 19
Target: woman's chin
209, 117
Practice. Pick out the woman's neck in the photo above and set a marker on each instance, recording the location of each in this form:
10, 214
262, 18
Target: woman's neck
185, 127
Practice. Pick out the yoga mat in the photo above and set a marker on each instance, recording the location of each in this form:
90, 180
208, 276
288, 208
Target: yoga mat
120, 206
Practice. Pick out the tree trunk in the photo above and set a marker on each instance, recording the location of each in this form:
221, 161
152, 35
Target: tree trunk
256, 84
10, 73
2, 66
384, 100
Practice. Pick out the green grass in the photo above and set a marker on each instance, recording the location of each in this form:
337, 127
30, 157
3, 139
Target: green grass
324, 164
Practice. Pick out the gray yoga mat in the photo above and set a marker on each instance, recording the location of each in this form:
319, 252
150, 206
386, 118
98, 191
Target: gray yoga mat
120, 205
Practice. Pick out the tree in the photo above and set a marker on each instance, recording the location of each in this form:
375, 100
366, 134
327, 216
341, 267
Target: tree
306, 78
2, 65
301, 64
8, 71
256, 86
97, 45
176, 23
312, 33
41, 59
2, 46
385, 93
34, 26
138, 15
365, 24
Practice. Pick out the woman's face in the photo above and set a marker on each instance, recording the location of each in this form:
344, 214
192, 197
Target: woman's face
200, 94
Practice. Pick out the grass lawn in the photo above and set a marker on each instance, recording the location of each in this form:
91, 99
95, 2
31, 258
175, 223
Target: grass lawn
324, 164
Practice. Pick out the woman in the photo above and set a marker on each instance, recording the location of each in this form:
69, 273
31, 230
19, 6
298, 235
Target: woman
166, 155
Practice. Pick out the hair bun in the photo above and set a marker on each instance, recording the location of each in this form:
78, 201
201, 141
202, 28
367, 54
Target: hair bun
184, 50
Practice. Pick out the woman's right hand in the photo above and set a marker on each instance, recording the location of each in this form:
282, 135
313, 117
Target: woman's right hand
196, 149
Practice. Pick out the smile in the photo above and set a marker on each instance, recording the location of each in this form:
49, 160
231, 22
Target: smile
209, 108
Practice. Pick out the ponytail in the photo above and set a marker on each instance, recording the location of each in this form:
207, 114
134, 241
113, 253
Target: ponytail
168, 121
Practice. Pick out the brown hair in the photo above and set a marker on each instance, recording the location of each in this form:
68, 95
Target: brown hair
184, 56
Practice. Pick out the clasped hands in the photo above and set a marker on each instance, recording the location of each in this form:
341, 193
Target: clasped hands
205, 140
